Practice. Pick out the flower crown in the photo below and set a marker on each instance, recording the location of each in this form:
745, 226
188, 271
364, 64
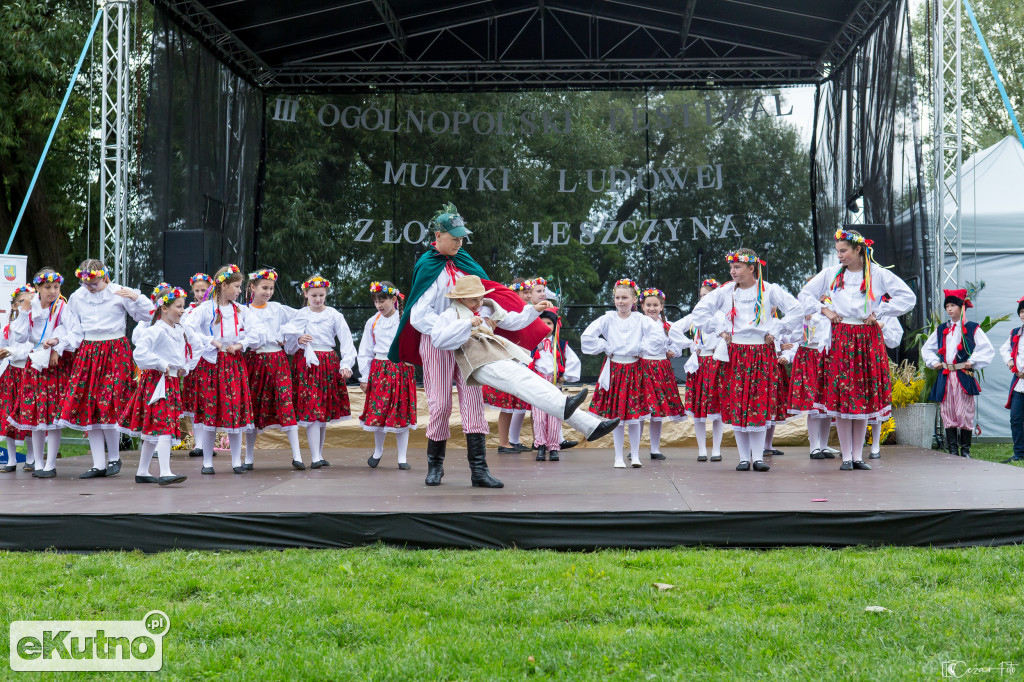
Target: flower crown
264, 273
172, 295
315, 282
23, 289
844, 236
519, 286
156, 290
90, 274
711, 283
48, 277
733, 257
538, 281
653, 292
628, 283
200, 277
378, 288
232, 269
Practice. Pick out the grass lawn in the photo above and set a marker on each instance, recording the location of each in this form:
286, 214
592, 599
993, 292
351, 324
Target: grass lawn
379, 613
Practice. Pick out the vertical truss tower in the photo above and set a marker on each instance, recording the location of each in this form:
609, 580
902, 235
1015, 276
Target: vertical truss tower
948, 137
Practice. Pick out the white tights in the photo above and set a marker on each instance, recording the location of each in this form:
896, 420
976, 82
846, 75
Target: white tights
750, 444
851, 438
655, 436
104, 438
315, 432
293, 442
618, 437
52, 440
402, 440
515, 428
163, 453
701, 429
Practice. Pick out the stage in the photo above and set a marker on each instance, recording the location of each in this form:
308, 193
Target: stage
911, 497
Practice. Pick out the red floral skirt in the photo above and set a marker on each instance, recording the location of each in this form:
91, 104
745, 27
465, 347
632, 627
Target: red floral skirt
270, 383
223, 401
320, 393
100, 385
506, 402
857, 373
188, 393
162, 418
781, 394
10, 390
627, 397
38, 407
390, 403
807, 382
666, 405
702, 389
748, 396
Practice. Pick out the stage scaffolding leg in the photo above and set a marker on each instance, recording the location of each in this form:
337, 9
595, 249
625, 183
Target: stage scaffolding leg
948, 136
115, 135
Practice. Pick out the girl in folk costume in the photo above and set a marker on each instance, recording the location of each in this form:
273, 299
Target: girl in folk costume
13, 357
658, 374
807, 382
702, 375
511, 410
200, 283
320, 394
164, 352
623, 335
101, 381
223, 400
45, 378
956, 349
747, 395
1012, 352
555, 362
892, 336
389, 387
268, 369
857, 384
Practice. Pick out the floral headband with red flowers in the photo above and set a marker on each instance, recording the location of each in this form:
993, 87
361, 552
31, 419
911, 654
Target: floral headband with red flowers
378, 288
315, 282
519, 286
710, 283
264, 273
653, 292
23, 289
537, 281
733, 257
628, 283
172, 295
156, 290
200, 277
232, 269
90, 274
48, 277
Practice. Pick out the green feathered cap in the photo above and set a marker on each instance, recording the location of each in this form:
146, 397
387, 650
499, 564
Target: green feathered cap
448, 220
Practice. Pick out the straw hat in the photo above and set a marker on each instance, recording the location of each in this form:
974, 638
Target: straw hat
469, 286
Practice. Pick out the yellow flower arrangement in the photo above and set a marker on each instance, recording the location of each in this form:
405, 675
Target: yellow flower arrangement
907, 383
888, 428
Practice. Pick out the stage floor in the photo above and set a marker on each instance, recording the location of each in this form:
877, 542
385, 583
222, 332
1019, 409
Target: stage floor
580, 502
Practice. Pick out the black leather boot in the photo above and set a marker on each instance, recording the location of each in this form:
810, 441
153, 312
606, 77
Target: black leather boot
435, 461
476, 444
953, 441
965, 443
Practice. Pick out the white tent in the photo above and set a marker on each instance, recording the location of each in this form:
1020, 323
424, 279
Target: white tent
992, 222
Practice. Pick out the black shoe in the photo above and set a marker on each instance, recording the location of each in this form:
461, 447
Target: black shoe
248, 466
9, 469
239, 470
826, 454
553, 456
743, 466
572, 403
45, 473
774, 453
519, 447
404, 466
716, 458
657, 455
373, 461
94, 473
603, 429
319, 465
298, 465
114, 468
435, 461
542, 453
168, 480
502, 450
207, 470
195, 452
567, 444
846, 466
761, 466
476, 445
817, 454
953, 441
861, 465
875, 455
146, 479
28, 467
965, 443
1005, 461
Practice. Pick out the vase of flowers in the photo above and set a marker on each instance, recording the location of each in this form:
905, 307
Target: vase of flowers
914, 420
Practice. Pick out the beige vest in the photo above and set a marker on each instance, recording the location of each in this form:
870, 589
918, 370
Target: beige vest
484, 346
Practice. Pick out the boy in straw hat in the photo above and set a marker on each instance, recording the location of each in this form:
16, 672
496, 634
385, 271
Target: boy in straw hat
467, 329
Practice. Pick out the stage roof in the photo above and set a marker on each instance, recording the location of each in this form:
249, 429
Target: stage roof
459, 45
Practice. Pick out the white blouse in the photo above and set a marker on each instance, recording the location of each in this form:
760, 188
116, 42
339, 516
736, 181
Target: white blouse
54, 321
665, 343
816, 333
450, 333
428, 307
699, 341
101, 313
324, 327
1005, 351
544, 362
892, 331
237, 325
633, 336
849, 301
744, 327
984, 351
272, 316
378, 333
162, 347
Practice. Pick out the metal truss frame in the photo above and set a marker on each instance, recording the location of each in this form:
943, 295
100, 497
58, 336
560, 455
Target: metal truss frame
948, 140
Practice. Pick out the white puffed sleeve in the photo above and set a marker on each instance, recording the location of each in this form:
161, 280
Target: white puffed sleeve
449, 332
366, 354
344, 334
573, 366
984, 352
255, 332
591, 341
929, 349
146, 353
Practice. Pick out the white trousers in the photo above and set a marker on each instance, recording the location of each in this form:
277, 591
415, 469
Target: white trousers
511, 377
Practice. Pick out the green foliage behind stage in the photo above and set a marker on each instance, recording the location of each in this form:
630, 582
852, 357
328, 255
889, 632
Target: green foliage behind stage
707, 172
